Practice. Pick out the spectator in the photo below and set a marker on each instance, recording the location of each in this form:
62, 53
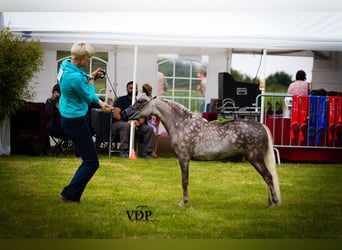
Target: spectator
300, 86
162, 84
53, 124
142, 130
202, 73
153, 121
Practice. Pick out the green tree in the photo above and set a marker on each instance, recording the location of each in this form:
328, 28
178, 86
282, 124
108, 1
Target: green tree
242, 77
20, 59
278, 82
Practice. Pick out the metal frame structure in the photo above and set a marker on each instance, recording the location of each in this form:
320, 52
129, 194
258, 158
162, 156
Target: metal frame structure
307, 132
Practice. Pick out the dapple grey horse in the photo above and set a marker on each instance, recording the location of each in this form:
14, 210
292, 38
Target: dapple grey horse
192, 137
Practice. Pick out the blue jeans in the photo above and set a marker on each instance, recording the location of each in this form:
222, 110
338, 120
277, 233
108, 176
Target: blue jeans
77, 129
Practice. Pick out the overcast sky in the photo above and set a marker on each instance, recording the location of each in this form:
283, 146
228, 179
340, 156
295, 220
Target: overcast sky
248, 64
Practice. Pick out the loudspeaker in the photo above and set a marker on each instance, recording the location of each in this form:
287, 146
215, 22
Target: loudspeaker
242, 93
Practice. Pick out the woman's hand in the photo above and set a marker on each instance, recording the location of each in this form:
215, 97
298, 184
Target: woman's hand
97, 73
105, 107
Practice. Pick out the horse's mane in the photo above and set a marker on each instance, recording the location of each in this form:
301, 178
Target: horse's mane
179, 107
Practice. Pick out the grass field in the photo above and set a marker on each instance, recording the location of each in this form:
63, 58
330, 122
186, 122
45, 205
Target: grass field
226, 200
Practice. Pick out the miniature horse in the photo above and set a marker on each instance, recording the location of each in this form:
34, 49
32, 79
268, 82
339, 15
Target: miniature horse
193, 137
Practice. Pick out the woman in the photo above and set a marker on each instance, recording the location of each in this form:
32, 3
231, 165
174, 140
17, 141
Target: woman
300, 86
153, 121
77, 92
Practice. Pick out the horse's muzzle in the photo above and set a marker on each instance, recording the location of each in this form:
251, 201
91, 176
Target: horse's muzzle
128, 114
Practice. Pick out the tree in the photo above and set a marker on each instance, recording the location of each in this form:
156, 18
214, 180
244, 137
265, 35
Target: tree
241, 77
278, 82
20, 59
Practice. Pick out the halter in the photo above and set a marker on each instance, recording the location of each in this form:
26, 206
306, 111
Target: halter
142, 106
130, 112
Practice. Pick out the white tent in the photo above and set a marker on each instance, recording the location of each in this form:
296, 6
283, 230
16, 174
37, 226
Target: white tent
299, 32
239, 30
203, 27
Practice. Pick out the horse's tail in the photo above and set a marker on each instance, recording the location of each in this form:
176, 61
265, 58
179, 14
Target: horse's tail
271, 164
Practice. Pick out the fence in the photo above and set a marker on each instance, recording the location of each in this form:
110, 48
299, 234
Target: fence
304, 128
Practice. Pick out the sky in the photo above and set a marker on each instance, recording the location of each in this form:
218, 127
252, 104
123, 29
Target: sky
248, 64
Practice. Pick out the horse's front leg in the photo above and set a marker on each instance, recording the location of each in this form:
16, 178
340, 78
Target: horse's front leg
184, 165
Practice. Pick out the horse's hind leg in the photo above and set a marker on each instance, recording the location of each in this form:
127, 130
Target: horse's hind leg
184, 165
261, 168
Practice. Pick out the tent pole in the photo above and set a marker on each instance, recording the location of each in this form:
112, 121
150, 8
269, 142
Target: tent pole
132, 132
263, 86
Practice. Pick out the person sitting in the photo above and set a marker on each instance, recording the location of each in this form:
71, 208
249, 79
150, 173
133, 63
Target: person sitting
153, 121
53, 123
142, 130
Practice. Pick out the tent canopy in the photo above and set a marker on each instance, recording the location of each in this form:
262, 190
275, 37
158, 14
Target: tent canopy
318, 31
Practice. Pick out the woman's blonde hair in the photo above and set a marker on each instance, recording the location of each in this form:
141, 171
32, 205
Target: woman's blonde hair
81, 48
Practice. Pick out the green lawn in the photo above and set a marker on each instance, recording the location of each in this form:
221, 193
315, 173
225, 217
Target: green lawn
226, 200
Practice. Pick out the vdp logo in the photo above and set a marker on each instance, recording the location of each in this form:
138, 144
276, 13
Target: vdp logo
140, 214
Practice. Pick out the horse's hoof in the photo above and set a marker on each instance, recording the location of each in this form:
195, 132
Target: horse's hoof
273, 205
182, 203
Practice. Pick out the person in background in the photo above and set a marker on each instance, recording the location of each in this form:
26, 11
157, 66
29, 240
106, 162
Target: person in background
300, 86
162, 84
77, 92
53, 123
153, 121
202, 73
142, 130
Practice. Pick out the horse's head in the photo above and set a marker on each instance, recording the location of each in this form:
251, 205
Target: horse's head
141, 108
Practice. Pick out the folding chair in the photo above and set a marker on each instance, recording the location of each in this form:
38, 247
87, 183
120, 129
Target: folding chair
114, 140
61, 145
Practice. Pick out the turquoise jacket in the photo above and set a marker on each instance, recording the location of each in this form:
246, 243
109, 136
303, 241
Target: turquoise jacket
76, 94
